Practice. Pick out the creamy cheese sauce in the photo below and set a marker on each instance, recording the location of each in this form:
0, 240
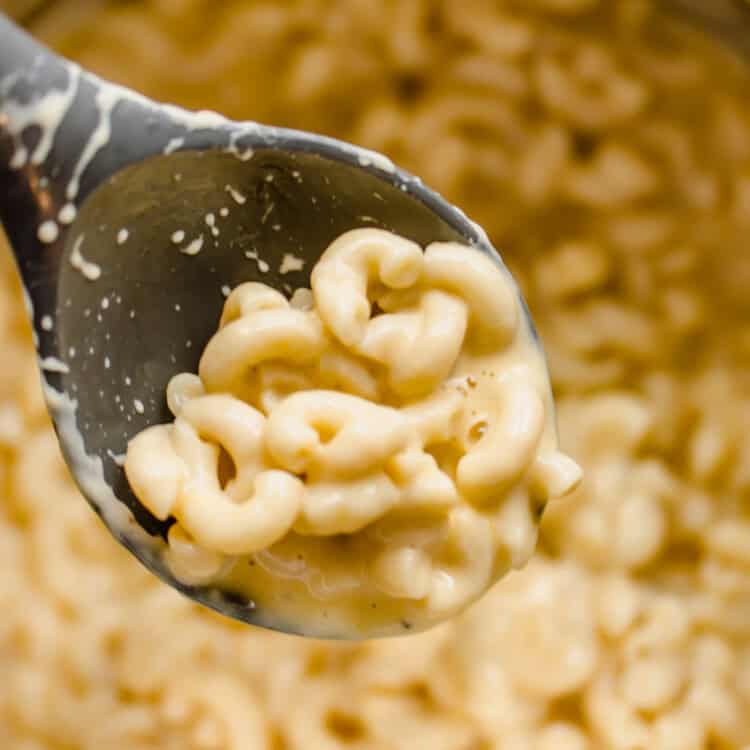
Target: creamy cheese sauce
386, 469
48, 232
290, 263
193, 247
89, 270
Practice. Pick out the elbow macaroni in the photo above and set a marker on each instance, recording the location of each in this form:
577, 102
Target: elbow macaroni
390, 442
578, 650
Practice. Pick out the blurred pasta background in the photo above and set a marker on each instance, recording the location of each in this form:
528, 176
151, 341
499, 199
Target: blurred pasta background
607, 152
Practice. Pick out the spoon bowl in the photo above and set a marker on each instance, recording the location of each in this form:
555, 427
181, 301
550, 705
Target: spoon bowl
131, 220
153, 308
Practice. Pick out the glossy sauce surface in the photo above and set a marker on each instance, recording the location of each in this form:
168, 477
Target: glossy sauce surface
390, 438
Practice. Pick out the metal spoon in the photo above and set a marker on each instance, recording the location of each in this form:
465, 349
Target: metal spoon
106, 195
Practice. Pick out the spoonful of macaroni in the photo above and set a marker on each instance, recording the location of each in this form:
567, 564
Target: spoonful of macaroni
298, 385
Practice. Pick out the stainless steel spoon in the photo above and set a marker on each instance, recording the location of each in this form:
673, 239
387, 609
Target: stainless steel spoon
105, 195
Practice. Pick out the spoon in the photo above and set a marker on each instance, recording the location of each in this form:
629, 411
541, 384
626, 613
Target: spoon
130, 220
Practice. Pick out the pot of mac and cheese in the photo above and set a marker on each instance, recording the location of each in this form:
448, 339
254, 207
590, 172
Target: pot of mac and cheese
605, 147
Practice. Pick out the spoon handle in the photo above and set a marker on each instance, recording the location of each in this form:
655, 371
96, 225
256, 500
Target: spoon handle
18, 50
63, 131
32, 82
29, 75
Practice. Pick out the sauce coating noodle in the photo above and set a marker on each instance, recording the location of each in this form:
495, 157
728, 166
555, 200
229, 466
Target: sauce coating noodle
326, 481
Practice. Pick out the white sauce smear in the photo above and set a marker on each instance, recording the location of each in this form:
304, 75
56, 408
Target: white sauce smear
48, 232
291, 262
236, 195
263, 267
90, 270
194, 247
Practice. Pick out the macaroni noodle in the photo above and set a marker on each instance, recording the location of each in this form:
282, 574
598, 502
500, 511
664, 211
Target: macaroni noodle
356, 481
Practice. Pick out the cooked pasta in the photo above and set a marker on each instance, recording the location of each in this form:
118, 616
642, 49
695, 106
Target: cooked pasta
619, 634
421, 500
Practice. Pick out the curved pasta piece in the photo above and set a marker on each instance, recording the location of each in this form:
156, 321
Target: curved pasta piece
251, 297
489, 292
515, 532
155, 470
190, 562
215, 521
232, 704
596, 95
162, 458
341, 277
402, 572
200, 457
507, 447
333, 433
263, 335
434, 418
422, 484
234, 425
463, 569
345, 508
338, 369
419, 346
555, 475
181, 388
277, 381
